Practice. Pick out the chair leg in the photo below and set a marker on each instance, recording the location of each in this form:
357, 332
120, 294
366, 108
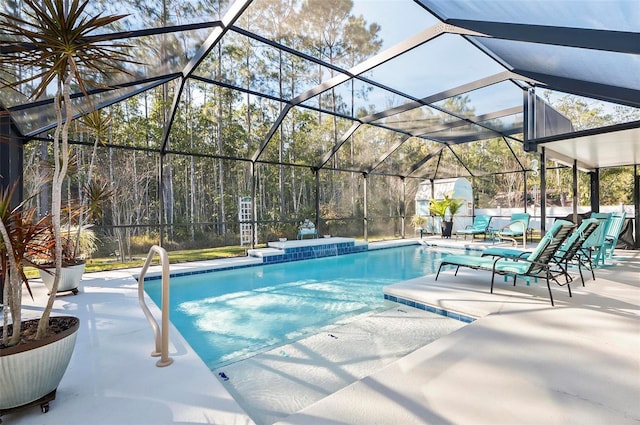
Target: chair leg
439, 268
593, 275
549, 289
600, 257
580, 270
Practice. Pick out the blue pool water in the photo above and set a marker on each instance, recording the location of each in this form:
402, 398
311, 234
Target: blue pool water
229, 315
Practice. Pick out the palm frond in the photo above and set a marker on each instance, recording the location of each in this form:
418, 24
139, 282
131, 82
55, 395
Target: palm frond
52, 42
97, 123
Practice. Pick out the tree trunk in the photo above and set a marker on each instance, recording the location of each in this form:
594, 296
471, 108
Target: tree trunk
61, 160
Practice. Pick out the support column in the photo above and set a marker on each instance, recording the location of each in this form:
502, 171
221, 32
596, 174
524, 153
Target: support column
594, 183
316, 172
364, 209
11, 157
474, 198
529, 107
161, 195
11, 165
526, 195
403, 213
636, 204
254, 224
576, 197
543, 192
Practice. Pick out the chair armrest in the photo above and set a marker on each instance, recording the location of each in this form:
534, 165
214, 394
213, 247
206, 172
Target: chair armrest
524, 228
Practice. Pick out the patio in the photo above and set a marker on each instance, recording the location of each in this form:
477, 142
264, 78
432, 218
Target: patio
240, 119
522, 361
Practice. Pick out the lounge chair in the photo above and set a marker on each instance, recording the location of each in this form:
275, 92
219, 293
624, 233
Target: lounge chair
517, 227
479, 227
570, 252
537, 264
594, 245
613, 233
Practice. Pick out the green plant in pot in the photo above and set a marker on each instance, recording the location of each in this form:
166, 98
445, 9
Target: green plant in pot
78, 241
418, 221
445, 209
24, 381
77, 245
54, 45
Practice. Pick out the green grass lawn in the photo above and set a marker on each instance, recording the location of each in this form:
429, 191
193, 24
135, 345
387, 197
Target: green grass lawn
109, 263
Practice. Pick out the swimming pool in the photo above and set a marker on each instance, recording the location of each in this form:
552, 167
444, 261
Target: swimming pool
230, 315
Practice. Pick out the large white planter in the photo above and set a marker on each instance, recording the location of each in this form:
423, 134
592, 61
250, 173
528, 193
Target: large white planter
29, 372
69, 279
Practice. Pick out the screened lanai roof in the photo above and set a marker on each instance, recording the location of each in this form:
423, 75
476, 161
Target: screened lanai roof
500, 57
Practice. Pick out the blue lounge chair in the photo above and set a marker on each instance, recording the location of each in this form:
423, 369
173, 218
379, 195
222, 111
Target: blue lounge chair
517, 228
537, 264
594, 245
570, 252
479, 227
613, 233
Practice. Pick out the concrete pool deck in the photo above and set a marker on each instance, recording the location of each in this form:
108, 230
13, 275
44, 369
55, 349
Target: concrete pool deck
523, 361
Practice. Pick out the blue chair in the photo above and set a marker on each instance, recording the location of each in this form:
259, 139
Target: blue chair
569, 253
517, 228
479, 227
539, 263
613, 233
594, 245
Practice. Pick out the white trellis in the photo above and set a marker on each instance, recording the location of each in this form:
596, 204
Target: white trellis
245, 218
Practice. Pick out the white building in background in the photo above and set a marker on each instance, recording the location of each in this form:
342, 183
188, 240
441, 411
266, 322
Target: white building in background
458, 188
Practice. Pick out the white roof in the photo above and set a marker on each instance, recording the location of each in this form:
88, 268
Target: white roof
455, 188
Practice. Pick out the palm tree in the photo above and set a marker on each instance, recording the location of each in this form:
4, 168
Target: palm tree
443, 207
55, 44
448, 205
23, 237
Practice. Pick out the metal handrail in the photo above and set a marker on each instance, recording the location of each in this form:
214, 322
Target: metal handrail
512, 239
162, 338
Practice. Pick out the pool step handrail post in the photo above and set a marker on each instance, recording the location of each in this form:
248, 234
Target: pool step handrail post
161, 336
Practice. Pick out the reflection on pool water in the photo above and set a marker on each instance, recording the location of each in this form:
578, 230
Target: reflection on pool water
229, 315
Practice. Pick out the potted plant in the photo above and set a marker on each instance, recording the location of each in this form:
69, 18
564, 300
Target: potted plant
418, 222
445, 209
77, 245
55, 45
30, 367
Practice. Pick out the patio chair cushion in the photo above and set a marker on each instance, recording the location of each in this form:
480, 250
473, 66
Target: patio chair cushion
518, 225
479, 226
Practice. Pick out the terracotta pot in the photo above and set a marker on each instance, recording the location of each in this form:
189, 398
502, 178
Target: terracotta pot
69, 279
31, 371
